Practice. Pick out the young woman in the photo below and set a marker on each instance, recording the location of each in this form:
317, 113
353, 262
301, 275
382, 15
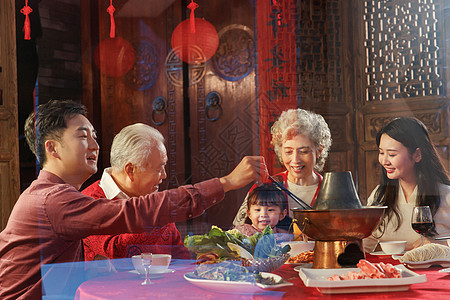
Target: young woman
412, 175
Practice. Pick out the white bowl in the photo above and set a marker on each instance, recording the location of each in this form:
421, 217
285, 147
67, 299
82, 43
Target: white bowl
160, 263
298, 247
393, 247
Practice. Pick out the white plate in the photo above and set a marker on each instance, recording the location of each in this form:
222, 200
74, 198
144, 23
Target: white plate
381, 253
447, 270
443, 262
303, 266
298, 247
235, 287
153, 273
318, 278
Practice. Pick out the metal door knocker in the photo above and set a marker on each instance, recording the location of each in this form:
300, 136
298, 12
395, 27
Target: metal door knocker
213, 101
159, 108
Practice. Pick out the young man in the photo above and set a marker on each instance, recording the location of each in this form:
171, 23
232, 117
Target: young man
51, 217
138, 159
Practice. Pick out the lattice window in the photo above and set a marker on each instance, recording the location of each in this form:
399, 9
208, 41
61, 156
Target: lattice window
401, 49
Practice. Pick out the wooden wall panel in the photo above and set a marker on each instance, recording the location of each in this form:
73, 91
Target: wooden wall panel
326, 72
9, 148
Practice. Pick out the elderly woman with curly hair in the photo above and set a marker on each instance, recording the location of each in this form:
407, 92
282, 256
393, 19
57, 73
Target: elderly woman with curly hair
301, 140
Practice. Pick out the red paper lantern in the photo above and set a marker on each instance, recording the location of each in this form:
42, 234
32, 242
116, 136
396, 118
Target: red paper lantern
114, 56
195, 46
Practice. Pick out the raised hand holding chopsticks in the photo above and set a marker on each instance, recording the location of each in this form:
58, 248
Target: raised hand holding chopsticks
251, 168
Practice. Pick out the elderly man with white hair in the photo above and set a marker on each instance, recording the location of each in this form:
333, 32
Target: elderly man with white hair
138, 158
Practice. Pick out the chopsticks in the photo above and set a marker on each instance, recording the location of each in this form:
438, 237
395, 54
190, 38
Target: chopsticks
296, 199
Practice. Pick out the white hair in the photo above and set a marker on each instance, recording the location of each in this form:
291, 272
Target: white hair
299, 121
134, 144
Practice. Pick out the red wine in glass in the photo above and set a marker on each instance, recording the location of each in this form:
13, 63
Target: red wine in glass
421, 220
422, 228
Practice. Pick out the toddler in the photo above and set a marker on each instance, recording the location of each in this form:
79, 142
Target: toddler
266, 205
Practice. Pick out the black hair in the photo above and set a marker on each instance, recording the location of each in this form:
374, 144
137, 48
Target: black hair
49, 122
430, 170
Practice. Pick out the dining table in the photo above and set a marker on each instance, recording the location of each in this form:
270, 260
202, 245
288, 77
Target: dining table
126, 284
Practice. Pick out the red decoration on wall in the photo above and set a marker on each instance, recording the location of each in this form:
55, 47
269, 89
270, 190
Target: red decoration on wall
195, 40
192, 6
195, 47
26, 10
114, 56
277, 74
111, 10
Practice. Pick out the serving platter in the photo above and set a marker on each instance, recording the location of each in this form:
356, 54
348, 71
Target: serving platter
236, 287
318, 278
300, 265
153, 273
303, 266
443, 262
382, 253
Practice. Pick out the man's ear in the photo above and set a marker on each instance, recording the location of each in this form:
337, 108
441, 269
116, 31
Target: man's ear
417, 155
129, 170
50, 148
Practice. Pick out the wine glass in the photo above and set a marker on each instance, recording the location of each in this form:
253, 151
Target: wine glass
421, 220
146, 259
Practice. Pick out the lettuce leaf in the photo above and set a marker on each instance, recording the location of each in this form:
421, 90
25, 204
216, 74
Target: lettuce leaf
260, 245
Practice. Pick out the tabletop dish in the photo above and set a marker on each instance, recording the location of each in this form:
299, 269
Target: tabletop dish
443, 262
236, 287
303, 266
298, 247
154, 274
393, 247
318, 278
381, 253
300, 265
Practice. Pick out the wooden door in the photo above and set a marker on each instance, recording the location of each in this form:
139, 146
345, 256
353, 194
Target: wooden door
222, 105
9, 147
142, 94
206, 111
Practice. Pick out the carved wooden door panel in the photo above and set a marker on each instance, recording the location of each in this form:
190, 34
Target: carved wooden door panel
223, 112
143, 92
9, 147
206, 111
403, 71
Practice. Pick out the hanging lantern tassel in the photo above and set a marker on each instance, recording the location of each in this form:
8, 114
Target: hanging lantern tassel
111, 10
192, 6
26, 10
